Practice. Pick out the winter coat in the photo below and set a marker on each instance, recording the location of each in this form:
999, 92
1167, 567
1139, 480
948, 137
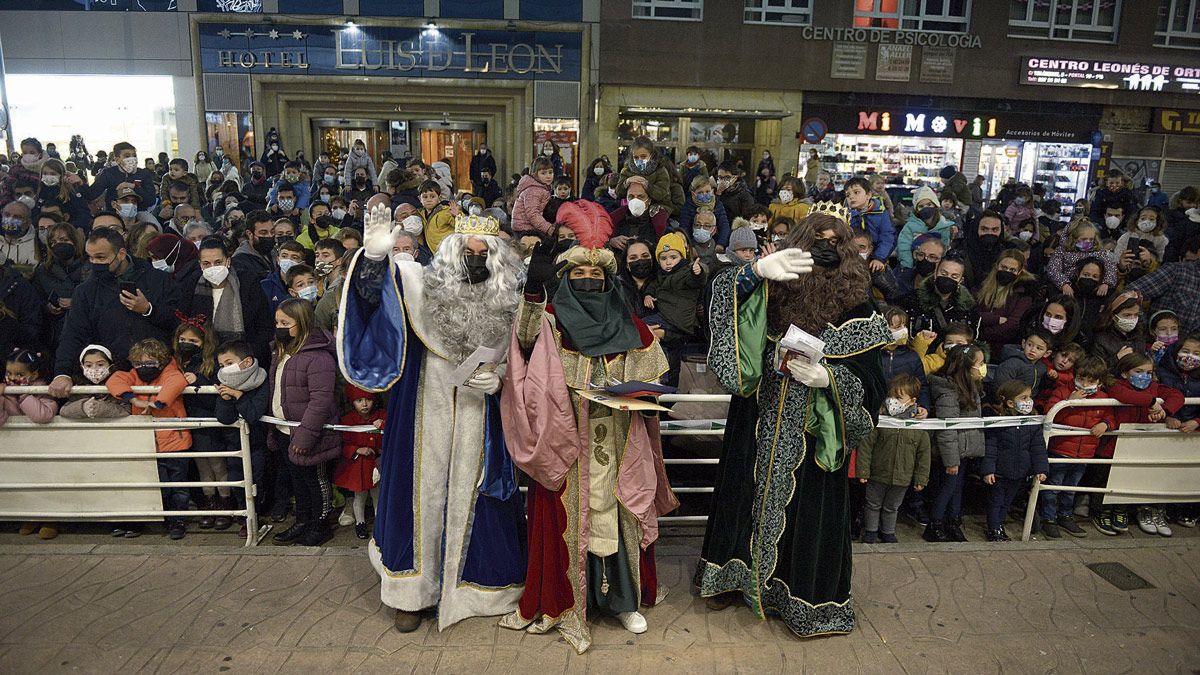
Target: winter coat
1085, 446
1108, 342
764, 190
876, 221
1018, 302
905, 360
957, 185
1014, 366
955, 445
168, 402
689, 172
1016, 214
21, 311
1180, 228
275, 292
259, 191
1106, 199
355, 472
353, 162
479, 162
110, 178
40, 409
915, 227
532, 197
1139, 401
935, 313
107, 406
737, 200
308, 382
189, 179
303, 195
687, 217
439, 224
441, 175
1014, 453
1188, 384
1061, 266
490, 191
796, 209
258, 321
676, 295
97, 315
894, 457
648, 227
252, 405
658, 184
1159, 240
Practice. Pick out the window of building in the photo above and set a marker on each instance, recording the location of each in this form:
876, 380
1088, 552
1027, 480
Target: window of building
671, 10
1178, 24
1078, 20
797, 12
941, 15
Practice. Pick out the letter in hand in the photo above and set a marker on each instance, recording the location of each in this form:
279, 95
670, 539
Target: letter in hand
815, 377
785, 265
379, 235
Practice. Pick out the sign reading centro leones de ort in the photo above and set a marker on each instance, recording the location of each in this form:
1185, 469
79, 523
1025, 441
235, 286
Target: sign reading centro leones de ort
1130, 76
1074, 128
389, 51
886, 36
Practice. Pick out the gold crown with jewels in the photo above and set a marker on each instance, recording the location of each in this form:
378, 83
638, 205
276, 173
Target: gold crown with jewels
831, 209
477, 226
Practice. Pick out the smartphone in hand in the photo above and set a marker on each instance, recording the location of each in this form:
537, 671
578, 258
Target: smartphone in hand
128, 287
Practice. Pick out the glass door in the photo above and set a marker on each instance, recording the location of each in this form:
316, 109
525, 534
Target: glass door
337, 136
998, 161
455, 147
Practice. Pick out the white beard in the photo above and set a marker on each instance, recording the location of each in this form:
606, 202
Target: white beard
468, 316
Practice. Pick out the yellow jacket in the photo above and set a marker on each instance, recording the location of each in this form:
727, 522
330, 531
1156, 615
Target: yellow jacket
439, 224
796, 210
931, 361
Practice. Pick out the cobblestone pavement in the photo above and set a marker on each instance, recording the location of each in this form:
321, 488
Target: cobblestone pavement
142, 606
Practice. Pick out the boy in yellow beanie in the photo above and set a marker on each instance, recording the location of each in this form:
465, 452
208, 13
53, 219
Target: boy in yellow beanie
673, 296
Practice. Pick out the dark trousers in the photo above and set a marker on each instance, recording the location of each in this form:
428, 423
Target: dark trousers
171, 470
1000, 498
947, 505
610, 582
314, 493
278, 476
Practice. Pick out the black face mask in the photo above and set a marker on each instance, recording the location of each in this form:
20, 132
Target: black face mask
825, 254
360, 181
283, 335
989, 240
945, 285
64, 251
641, 269
1004, 277
477, 271
587, 285
257, 174
148, 373
101, 272
927, 212
187, 351
264, 245
1086, 286
564, 245
924, 267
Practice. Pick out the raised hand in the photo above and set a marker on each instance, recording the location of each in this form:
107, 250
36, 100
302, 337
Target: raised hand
379, 233
785, 265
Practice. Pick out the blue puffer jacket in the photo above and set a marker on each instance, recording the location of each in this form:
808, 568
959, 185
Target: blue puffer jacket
877, 222
1014, 452
905, 360
1169, 375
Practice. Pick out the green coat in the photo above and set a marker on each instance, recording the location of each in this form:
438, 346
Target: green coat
895, 457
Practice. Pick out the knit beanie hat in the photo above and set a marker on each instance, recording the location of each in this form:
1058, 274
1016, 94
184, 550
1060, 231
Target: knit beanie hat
671, 241
948, 171
742, 237
924, 193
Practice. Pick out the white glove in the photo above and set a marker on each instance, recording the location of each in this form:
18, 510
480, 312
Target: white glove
375, 476
814, 377
785, 265
487, 382
379, 235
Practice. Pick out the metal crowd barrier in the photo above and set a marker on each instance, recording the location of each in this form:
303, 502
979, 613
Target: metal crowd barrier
131, 422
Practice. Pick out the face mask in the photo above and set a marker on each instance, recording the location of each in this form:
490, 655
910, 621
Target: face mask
825, 254
758, 226
308, 293
287, 204
1168, 340
1089, 390
861, 254
894, 407
129, 164
1187, 361
338, 214
477, 271
324, 199
257, 174
599, 171
1004, 277
475, 209
63, 251
216, 274
989, 240
927, 212
1025, 235
323, 268
330, 180
637, 207
705, 197
227, 372
1112, 222
548, 151
641, 269
286, 264
1126, 324
187, 351
12, 226
981, 371
162, 266
1025, 407
785, 196
148, 373
359, 152
200, 158
1054, 324
1084, 245
1140, 380
50, 180
413, 225
42, 235
96, 374
587, 285
403, 256
27, 201
1019, 201
900, 334
283, 336
945, 285
360, 180
924, 267
701, 236
1087, 286
612, 193
693, 158
127, 211
642, 164
1147, 225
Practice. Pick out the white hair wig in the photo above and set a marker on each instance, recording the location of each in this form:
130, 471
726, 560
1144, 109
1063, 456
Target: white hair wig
466, 315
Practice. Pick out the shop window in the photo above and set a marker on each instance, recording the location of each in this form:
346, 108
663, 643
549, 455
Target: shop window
671, 10
1076, 20
1178, 24
794, 12
939, 15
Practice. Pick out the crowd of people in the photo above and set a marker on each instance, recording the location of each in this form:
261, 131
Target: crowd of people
181, 273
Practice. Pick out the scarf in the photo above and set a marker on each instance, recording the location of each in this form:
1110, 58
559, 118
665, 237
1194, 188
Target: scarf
597, 323
226, 314
243, 380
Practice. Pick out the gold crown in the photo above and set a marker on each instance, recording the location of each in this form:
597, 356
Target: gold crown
479, 226
831, 209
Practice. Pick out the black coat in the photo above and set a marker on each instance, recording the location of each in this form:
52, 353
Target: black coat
97, 315
1180, 228
257, 319
479, 162
737, 200
21, 322
1014, 452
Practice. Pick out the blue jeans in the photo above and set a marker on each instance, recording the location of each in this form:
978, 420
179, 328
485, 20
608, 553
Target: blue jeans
1055, 504
171, 470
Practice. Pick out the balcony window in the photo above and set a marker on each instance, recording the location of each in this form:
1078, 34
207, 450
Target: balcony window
669, 10
1178, 24
1075, 20
793, 12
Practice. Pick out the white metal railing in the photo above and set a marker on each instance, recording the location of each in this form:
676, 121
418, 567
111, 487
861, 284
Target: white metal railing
1054, 430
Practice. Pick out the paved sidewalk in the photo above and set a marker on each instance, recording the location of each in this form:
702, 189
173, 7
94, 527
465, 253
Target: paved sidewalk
1031, 607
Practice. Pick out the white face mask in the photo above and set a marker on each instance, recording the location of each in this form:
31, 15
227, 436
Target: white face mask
403, 256
785, 196
413, 225
1025, 407
228, 371
1112, 222
637, 207
862, 254
162, 266
96, 374
286, 264
1126, 324
894, 406
27, 201
308, 293
338, 214
50, 180
547, 151
216, 274
1025, 235
127, 210
599, 171
475, 210
900, 334
129, 164
1147, 225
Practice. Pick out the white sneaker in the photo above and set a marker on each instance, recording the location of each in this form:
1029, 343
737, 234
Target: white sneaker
633, 622
346, 519
1145, 520
1160, 522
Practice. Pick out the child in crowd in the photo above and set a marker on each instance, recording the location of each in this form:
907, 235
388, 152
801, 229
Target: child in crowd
195, 354
760, 219
1180, 370
23, 368
1060, 367
957, 392
742, 243
1164, 332
355, 472
790, 203
645, 162
1012, 454
95, 367
890, 460
154, 367
898, 358
240, 381
868, 213
1146, 401
288, 255
438, 217
560, 194
673, 296
532, 196
302, 283
1024, 362
954, 334
1056, 508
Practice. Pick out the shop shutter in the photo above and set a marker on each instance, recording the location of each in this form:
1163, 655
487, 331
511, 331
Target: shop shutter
1183, 146
556, 99
225, 92
1178, 174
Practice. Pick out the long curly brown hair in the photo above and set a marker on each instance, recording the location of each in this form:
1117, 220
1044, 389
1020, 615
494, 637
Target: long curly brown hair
822, 297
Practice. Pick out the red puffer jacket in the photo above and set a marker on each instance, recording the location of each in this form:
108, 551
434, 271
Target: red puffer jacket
308, 397
1138, 405
1079, 447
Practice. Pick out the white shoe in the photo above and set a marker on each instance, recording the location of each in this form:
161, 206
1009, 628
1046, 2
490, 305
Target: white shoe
1160, 522
633, 622
346, 519
1145, 520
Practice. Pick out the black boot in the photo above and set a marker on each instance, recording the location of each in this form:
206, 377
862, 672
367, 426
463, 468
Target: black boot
290, 535
207, 503
225, 504
935, 532
316, 535
954, 530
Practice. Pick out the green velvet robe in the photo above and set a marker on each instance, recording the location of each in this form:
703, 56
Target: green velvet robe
779, 528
